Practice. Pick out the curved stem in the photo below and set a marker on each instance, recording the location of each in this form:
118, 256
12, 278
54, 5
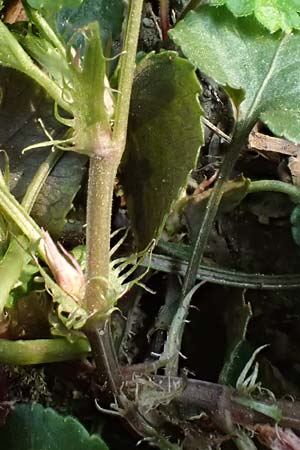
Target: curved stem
275, 186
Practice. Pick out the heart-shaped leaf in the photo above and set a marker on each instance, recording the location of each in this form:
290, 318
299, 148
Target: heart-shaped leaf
35, 427
241, 54
164, 140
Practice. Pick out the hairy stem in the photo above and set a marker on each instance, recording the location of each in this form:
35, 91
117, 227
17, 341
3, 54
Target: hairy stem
100, 191
127, 66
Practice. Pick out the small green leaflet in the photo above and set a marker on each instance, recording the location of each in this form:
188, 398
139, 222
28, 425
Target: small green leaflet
273, 14
237, 7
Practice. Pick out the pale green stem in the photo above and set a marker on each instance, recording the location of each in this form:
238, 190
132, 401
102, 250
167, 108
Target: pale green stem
48, 32
127, 67
42, 351
39, 179
275, 186
17, 215
17, 58
105, 157
99, 208
104, 161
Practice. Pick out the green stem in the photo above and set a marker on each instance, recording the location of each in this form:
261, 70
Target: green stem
275, 186
127, 67
17, 215
99, 207
105, 157
39, 179
46, 30
42, 351
104, 161
204, 231
18, 59
212, 209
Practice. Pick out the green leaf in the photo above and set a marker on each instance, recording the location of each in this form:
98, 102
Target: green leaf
273, 14
23, 103
240, 8
278, 14
164, 140
237, 317
35, 427
237, 7
54, 5
241, 54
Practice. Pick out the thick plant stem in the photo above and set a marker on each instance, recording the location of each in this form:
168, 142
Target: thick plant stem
104, 162
100, 192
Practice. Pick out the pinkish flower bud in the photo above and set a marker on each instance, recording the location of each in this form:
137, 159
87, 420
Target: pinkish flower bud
65, 269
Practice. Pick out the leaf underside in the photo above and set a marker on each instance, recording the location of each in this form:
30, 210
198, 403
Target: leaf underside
163, 140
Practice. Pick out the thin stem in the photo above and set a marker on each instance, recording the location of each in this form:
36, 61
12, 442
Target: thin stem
211, 211
193, 4
47, 31
99, 335
16, 214
13, 55
275, 186
39, 179
127, 66
203, 236
164, 18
